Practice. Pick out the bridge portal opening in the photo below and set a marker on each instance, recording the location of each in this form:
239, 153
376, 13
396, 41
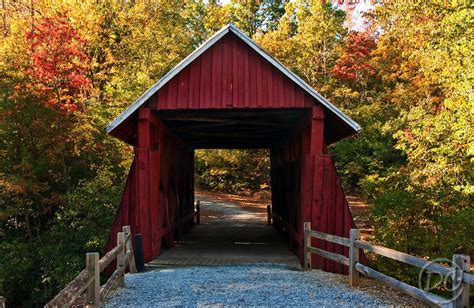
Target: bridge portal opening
233, 230
233, 225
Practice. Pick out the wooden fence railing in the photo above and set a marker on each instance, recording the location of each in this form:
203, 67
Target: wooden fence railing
196, 215
459, 272
272, 217
89, 279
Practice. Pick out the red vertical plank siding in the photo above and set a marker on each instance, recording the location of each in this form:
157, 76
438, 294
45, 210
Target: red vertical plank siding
306, 188
270, 77
253, 99
239, 93
143, 200
325, 210
292, 99
231, 74
134, 218
227, 74
183, 90
264, 88
317, 204
172, 94
258, 80
287, 88
339, 219
331, 207
247, 77
281, 91
216, 82
317, 130
123, 214
194, 80
205, 96
162, 98
156, 220
237, 75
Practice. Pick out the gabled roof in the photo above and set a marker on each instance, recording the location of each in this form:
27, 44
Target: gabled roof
205, 46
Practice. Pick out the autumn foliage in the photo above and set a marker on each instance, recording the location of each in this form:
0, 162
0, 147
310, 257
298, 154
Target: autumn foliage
355, 64
59, 63
67, 68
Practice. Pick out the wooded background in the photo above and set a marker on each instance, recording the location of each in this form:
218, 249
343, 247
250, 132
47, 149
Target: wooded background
69, 67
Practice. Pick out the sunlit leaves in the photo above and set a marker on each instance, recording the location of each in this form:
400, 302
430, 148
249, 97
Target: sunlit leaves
59, 64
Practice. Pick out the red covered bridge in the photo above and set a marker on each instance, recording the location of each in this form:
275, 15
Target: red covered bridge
229, 93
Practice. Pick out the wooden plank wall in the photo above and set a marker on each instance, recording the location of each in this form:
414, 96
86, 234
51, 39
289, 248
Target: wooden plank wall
306, 187
230, 75
159, 191
333, 215
285, 183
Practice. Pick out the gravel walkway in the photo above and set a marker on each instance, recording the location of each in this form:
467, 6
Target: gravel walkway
239, 285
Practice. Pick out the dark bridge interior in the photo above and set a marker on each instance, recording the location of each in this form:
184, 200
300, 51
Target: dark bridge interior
262, 128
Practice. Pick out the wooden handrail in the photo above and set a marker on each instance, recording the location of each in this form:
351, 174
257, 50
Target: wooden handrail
295, 235
458, 272
166, 230
403, 257
308, 234
73, 289
183, 220
109, 257
330, 238
89, 279
401, 286
113, 281
330, 255
468, 278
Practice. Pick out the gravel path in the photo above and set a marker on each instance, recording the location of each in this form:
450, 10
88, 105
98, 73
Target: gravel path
222, 213
239, 285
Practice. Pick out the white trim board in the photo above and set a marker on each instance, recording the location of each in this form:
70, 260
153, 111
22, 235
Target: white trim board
205, 46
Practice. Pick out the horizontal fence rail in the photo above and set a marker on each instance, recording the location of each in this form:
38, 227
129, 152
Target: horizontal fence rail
291, 231
459, 271
196, 215
89, 279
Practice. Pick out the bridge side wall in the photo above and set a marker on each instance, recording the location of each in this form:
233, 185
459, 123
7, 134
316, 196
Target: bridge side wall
306, 187
159, 190
323, 200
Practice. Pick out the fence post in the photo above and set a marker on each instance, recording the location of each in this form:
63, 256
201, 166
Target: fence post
198, 212
93, 290
129, 246
307, 244
461, 293
353, 258
120, 257
269, 215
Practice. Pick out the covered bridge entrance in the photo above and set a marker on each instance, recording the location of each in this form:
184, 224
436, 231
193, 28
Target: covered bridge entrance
229, 93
